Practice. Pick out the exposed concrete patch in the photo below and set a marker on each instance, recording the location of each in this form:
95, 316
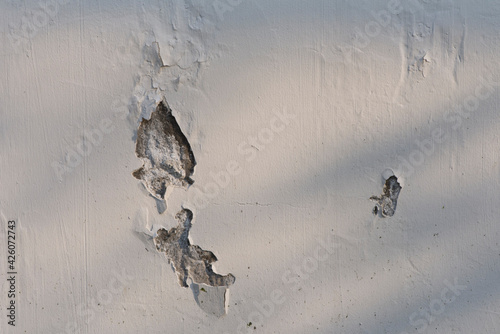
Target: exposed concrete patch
387, 201
166, 154
189, 261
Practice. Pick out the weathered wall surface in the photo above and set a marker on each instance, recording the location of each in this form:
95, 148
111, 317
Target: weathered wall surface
297, 113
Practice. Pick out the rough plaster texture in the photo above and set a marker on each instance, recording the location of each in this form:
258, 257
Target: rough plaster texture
292, 110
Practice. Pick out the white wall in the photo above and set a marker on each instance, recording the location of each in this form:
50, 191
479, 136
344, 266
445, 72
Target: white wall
370, 85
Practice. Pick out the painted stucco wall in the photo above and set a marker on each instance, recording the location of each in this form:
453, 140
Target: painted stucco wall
294, 111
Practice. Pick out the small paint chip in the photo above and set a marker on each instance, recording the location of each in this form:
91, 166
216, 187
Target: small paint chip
387, 201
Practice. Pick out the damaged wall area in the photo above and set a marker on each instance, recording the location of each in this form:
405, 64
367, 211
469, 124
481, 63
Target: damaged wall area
168, 161
386, 203
189, 261
166, 154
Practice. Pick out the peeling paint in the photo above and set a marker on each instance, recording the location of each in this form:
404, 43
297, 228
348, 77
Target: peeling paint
189, 261
212, 300
387, 202
166, 154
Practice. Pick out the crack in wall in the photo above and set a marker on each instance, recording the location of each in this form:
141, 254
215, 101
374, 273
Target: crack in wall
189, 261
165, 152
